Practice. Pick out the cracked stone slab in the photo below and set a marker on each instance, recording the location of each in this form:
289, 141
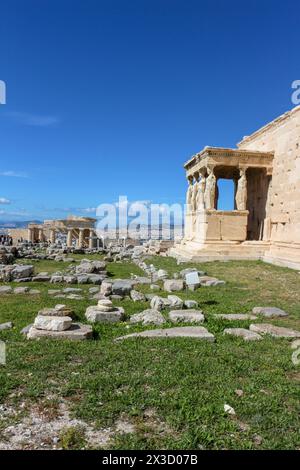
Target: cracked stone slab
148, 317
234, 316
76, 332
276, 331
194, 332
52, 323
269, 312
187, 316
247, 335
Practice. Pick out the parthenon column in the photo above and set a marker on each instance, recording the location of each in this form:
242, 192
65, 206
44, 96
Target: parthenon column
91, 239
69, 238
52, 236
241, 193
41, 235
30, 235
81, 238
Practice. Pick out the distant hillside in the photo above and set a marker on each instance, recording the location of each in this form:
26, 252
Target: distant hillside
6, 224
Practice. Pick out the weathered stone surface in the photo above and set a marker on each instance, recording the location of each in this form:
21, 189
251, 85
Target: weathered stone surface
34, 292
94, 290
70, 279
196, 332
74, 297
76, 332
173, 285
247, 335
234, 316
162, 274
58, 311
96, 314
207, 281
56, 279
175, 302
52, 323
276, 331
22, 271
21, 290
137, 296
190, 304
187, 316
41, 278
122, 287
157, 303
5, 290
148, 317
6, 326
106, 288
269, 312
72, 290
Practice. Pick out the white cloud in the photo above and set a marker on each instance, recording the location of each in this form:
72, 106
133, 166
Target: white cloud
33, 119
3, 200
14, 174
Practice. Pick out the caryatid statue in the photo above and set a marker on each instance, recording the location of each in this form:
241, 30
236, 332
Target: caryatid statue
241, 192
210, 190
189, 195
194, 195
200, 193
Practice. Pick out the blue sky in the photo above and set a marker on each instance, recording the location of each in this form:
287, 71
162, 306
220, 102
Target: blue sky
109, 98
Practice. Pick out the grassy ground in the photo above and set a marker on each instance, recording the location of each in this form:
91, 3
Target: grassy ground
172, 391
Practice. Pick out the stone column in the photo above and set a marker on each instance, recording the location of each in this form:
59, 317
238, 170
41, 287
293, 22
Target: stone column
30, 235
81, 238
91, 240
241, 193
69, 238
41, 235
52, 236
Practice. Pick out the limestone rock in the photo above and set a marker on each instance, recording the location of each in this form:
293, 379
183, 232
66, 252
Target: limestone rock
175, 302
122, 287
173, 285
104, 313
6, 326
148, 317
190, 304
269, 312
234, 316
196, 332
106, 288
247, 335
137, 296
41, 278
162, 274
5, 290
22, 271
21, 290
52, 323
157, 303
276, 331
76, 332
187, 316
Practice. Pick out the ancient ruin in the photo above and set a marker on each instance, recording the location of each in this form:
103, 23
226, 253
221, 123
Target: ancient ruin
76, 231
265, 221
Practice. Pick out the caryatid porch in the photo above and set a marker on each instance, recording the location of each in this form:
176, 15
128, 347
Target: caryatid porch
217, 234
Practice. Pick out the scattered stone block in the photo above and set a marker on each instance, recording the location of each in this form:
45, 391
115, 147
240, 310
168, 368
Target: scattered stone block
190, 304
269, 312
173, 285
76, 332
52, 323
104, 312
195, 332
247, 335
6, 326
276, 331
21, 290
148, 317
5, 290
122, 287
137, 296
175, 302
187, 316
234, 316
157, 303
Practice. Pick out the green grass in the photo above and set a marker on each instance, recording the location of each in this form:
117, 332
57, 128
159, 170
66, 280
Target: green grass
173, 391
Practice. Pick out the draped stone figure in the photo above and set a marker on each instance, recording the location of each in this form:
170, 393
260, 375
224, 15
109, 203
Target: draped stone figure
241, 192
189, 194
210, 190
200, 194
194, 196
